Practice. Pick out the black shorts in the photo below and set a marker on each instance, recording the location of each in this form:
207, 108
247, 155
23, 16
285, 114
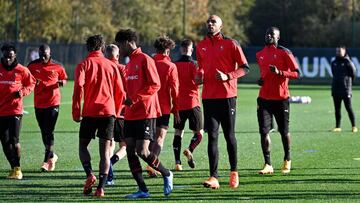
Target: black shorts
163, 121
266, 109
119, 135
102, 126
220, 112
195, 119
140, 129
10, 129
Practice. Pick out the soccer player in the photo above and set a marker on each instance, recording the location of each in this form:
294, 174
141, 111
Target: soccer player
16, 82
98, 80
189, 107
112, 53
142, 109
222, 61
167, 94
343, 71
277, 65
50, 76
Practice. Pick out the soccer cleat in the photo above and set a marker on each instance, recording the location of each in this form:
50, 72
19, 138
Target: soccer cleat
45, 167
15, 173
336, 130
212, 183
234, 179
90, 181
354, 129
286, 167
152, 172
268, 169
168, 184
110, 182
190, 158
99, 192
52, 162
137, 195
178, 167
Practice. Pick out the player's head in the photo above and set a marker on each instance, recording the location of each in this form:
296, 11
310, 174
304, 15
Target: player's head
341, 51
164, 44
112, 52
214, 25
95, 43
186, 47
44, 52
8, 54
126, 40
272, 36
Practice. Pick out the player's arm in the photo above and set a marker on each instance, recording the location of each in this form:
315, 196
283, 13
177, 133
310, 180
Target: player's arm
78, 92
174, 88
28, 84
242, 67
293, 67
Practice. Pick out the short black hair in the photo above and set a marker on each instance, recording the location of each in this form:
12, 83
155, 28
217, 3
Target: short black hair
273, 28
44, 47
185, 43
94, 43
8, 47
163, 42
124, 35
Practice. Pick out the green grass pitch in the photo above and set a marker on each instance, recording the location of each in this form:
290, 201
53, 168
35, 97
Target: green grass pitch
326, 165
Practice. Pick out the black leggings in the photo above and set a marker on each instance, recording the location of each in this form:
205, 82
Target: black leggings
47, 120
348, 107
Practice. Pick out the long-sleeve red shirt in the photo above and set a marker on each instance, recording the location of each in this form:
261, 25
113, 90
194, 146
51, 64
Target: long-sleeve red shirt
142, 83
275, 87
47, 91
122, 72
97, 79
169, 90
11, 81
220, 53
188, 90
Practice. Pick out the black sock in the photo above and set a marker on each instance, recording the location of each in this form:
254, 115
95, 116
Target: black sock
267, 158
155, 163
195, 141
48, 155
177, 148
156, 149
136, 171
115, 158
87, 168
287, 155
102, 181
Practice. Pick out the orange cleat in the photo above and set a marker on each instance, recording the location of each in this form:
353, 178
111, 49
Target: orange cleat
152, 172
90, 181
212, 183
99, 192
178, 167
234, 179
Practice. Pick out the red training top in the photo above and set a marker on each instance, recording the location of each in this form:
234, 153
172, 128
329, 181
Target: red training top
275, 87
188, 90
47, 75
169, 83
122, 71
223, 54
142, 83
11, 81
97, 79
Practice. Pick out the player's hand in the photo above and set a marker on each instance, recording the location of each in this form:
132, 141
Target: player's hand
37, 82
128, 102
18, 94
77, 120
260, 82
274, 69
177, 117
60, 83
221, 76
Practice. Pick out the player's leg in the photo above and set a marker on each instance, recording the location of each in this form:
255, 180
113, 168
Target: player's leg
88, 127
337, 105
177, 141
211, 126
14, 134
282, 116
131, 131
348, 106
196, 125
48, 127
264, 120
228, 126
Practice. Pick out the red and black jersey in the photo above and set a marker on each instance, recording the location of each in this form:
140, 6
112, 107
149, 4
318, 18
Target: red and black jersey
224, 54
275, 87
169, 90
47, 75
188, 91
142, 83
11, 81
98, 80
